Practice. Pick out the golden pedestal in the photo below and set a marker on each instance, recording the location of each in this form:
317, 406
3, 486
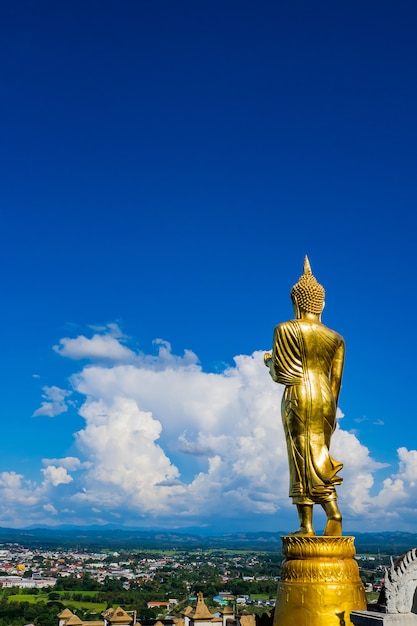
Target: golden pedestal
320, 583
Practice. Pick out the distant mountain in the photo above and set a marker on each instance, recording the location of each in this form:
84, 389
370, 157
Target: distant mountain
118, 538
131, 538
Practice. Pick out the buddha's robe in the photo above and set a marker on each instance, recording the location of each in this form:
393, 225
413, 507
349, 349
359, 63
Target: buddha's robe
308, 359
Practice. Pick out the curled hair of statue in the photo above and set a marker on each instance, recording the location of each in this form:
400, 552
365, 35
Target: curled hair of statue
307, 293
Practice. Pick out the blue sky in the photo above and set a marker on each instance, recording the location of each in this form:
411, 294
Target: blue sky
165, 167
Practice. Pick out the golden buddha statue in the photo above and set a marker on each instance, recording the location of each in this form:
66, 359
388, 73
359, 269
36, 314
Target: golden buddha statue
307, 358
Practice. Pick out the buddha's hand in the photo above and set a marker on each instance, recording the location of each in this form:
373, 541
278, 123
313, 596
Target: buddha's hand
267, 358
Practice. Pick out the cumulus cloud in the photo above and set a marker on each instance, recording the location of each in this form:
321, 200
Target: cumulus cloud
358, 472
49, 508
166, 358
10, 480
55, 402
127, 463
408, 465
399, 491
24, 502
71, 463
194, 448
108, 345
165, 443
56, 475
18, 498
98, 347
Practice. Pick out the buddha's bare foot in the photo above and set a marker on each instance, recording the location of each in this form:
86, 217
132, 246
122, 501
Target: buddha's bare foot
333, 528
334, 519
304, 531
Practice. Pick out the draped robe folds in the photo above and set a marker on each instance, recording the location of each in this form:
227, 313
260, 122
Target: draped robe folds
303, 359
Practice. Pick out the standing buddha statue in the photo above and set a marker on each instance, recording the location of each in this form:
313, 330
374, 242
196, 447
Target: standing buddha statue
307, 357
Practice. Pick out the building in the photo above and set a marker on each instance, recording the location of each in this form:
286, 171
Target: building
199, 615
26, 583
111, 617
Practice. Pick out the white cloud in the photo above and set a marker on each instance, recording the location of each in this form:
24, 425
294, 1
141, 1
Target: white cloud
194, 448
98, 347
399, 491
392, 493
230, 422
112, 329
70, 463
17, 496
56, 475
54, 402
358, 471
120, 440
165, 443
408, 464
49, 508
10, 480
23, 502
108, 344
166, 358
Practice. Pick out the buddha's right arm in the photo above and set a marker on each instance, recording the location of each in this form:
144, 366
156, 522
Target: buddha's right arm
269, 362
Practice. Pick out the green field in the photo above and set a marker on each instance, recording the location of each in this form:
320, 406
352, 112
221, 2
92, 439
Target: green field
25, 597
372, 596
97, 607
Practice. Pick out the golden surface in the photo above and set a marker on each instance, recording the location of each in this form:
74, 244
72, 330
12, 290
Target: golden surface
307, 357
320, 583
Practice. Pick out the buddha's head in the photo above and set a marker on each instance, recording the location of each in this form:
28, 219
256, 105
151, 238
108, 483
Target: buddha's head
307, 294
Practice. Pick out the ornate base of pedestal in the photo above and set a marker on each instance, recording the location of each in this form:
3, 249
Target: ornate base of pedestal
320, 583
370, 618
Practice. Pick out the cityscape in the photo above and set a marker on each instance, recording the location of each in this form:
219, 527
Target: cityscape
154, 584
151, 584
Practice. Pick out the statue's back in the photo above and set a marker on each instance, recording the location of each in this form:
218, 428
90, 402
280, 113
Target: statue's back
319, 345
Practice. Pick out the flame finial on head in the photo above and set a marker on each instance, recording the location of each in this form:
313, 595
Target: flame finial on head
307, 293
